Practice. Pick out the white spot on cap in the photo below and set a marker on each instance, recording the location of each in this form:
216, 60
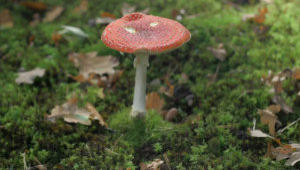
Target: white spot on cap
153, 24
130, 30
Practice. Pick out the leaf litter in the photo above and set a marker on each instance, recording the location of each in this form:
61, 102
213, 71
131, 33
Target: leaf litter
71, 113
268, 116
27, 77
73, 30
6, 20
53, 14
154, 165
93, 68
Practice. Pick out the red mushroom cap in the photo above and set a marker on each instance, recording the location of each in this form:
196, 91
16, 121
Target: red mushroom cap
138, 32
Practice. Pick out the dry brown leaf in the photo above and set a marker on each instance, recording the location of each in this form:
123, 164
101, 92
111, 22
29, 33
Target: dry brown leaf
268, 117
171, 114
153, 101
294, 158
31, 39
95, 115
36, 20
280, 101
108, 15
219, 52
101, 20
90, 63
295, 146
128, 9
38, 6
71, 113
53, 14
82, 7
260, 18
40, 167
6, 20
296, 74
152, 166
28, 77
281, 153
169, 91
289, 152
56, 38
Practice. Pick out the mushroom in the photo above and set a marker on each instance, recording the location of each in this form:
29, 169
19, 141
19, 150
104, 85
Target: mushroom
143, 35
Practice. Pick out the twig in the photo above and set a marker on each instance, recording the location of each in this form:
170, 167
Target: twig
167, 161
88, 149
24, 160
291, 124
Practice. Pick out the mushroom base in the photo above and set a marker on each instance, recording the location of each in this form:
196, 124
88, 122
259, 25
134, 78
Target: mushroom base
139, 99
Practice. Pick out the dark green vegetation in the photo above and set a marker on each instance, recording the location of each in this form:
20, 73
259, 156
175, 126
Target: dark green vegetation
225, 108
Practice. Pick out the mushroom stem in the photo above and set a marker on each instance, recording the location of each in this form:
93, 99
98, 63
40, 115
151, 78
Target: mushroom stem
139, 99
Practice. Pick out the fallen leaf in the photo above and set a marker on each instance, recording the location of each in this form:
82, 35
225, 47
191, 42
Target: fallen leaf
294, 158
152, 166
6, 20
74, 30
91, 63
29, 76
153, 101
36, 20
56, 38
101, 20
261, 16
71, 113
82, 7
95, 114
31, 40
280, 101
257, 18
128, 9
171, 114
268, 117
212, 78
40, 167
169, 91
107, 14
178, 14
247, 17
38, 6
53, 14
296, 74
219, 52
281, 153
259, 134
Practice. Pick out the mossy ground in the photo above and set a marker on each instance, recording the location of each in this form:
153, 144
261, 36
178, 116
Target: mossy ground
226, 108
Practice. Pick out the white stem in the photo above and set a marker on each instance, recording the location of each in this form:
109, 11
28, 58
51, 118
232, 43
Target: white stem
139, 99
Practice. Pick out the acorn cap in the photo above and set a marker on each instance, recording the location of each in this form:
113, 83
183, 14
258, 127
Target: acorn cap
141, 33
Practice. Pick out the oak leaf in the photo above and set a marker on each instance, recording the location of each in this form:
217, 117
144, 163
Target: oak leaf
53, 14
71, 113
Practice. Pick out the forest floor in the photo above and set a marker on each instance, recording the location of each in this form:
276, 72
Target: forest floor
240, 69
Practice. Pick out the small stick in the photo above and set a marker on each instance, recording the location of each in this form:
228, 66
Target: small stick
291, 124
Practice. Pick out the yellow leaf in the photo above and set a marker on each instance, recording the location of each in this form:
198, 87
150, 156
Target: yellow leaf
153, 101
